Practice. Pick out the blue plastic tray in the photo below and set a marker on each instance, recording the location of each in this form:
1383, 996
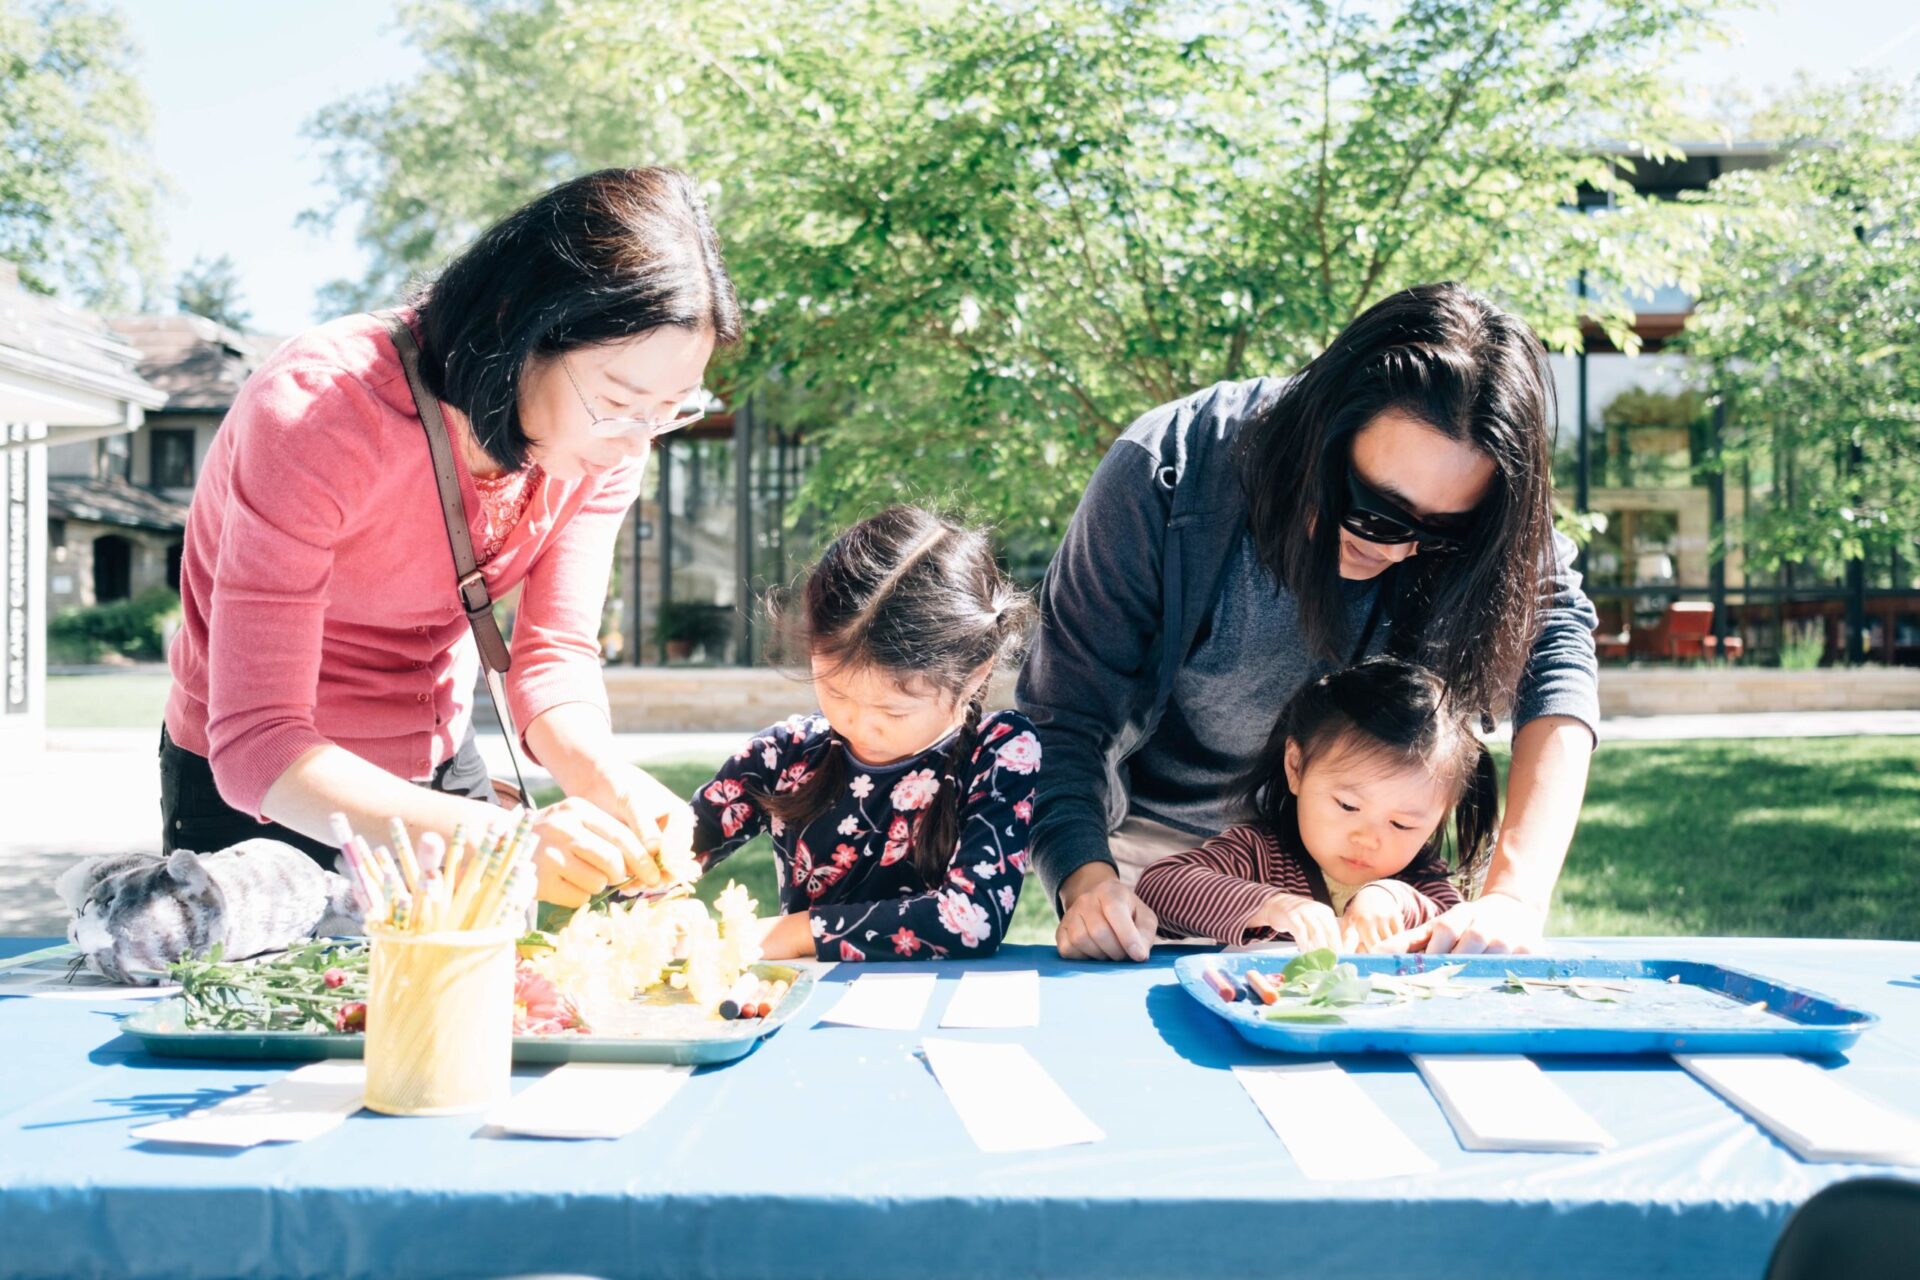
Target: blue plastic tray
1709, 1009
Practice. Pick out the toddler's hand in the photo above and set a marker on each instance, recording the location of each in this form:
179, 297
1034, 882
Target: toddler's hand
1311, 924
1372, 916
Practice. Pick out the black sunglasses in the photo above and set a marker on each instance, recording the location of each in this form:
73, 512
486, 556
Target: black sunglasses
1374, 516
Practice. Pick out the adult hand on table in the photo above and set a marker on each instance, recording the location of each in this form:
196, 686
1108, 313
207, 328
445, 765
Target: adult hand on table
1312, 925
1493, 924
582, 849
660, 821
1102, 919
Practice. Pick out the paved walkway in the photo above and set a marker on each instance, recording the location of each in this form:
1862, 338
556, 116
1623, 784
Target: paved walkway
97, 791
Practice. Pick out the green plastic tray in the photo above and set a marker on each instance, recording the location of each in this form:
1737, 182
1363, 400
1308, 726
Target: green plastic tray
660, 1030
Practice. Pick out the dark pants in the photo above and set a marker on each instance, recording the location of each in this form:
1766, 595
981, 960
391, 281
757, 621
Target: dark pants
193, 816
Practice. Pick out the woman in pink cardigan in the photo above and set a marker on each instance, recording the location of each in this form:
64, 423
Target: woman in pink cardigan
325, 664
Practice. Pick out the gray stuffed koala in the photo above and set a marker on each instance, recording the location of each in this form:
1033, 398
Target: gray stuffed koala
134, 914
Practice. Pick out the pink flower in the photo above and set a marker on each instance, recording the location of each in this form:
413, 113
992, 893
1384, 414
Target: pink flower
334, 978
905, 941
724, 790
793, 776
916, 790
1020, 754
539, 1008
1019, 861
850, 952
862, 787
999, 731
1023, 809
845, 855
351, 1016
1007, 898
965, 918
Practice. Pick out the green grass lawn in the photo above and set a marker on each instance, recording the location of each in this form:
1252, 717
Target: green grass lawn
134, 700
1808, 837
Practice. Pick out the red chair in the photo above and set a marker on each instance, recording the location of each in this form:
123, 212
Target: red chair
1686, 634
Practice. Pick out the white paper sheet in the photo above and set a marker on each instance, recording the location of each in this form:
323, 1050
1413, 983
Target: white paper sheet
1005, 1098
1505, 1102
1333, 1131
1818, 1117
300, 1105
884, 1001
995, 1000
590, 1100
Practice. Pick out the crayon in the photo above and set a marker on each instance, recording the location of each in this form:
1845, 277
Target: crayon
1221, 987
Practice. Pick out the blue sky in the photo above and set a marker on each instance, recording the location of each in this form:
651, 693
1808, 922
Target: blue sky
232, 82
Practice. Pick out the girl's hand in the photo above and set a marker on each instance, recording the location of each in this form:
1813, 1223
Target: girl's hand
787, 937
660, 822
1372, 916
582, 850
1312, 924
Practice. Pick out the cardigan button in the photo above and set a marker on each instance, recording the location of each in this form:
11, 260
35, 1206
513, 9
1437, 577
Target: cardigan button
419, 697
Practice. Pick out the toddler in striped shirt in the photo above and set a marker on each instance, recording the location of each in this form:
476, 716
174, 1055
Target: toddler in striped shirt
1351, 798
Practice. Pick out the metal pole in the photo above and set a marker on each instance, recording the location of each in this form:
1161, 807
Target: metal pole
743, 533
666, 547
1583, 491
1717, 525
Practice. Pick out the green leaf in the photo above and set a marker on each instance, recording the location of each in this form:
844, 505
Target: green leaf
1309, 962
1277, 1014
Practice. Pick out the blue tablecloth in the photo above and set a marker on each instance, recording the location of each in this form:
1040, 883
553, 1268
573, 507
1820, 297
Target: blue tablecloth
832, 1152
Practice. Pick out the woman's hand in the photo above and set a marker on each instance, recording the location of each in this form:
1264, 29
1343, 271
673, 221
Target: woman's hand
788, 937
1372, 917
582, 850
1311, 924
1492, 924
1103, 919
660, 821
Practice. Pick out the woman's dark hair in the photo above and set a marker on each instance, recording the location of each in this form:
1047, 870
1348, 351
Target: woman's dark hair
1405, 715
1453, 361
920, 598
604, 257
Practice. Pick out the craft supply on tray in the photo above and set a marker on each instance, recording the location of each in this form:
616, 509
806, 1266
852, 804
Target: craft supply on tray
1513, 1004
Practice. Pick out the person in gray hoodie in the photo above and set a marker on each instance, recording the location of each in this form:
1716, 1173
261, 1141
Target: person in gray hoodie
1395, 496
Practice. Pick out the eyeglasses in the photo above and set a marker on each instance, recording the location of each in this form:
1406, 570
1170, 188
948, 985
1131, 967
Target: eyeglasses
614, 428
1374, 516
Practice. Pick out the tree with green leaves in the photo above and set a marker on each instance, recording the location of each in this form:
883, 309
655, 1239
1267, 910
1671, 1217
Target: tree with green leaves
976, 239
211, 288
77, 182
1808, 324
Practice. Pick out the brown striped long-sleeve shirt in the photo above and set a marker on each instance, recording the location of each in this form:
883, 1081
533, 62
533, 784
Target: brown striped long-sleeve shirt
1216, 890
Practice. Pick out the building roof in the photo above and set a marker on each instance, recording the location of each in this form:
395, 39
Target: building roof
198, 363
114, 502
44, 340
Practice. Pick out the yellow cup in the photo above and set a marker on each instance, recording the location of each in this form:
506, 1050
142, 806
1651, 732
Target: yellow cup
439, 1021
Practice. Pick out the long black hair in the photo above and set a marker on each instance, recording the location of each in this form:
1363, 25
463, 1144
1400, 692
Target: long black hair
603, 257
1403, 713
1449, 359
919, 598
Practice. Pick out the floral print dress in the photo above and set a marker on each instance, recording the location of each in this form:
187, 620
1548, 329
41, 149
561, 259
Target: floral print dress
852, 867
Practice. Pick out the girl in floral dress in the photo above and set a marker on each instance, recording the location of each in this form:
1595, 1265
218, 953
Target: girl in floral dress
899, 813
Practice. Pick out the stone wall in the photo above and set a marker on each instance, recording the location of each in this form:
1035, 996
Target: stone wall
724, 699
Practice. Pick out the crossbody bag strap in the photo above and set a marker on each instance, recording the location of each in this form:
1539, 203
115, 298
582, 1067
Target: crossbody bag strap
471, 587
